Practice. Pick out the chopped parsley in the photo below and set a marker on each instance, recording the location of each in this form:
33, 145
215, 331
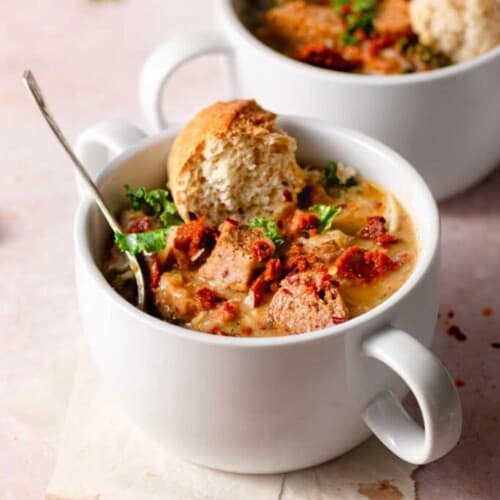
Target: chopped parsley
269, 228
332, 179
358, 15
326, 214
147, 242
158, 201
348, 39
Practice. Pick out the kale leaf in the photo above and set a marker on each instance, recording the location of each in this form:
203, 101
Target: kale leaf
326, 214
147, 242
158, 201
269, 228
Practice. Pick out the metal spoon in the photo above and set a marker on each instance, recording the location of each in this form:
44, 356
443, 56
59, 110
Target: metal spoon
35, 91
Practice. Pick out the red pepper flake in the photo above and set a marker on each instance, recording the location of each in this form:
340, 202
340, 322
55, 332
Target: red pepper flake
487, 311
140, 225
246, 331
232, 221
228, 312
262, 250
273, 270
454, 331
459, 382
216, 330
296, 260
266, 281
208, 298
361, 265
345, 9
375, 45
337, 320
302, 221
154, 270
191, 238
320, 55
287, 196
495, 345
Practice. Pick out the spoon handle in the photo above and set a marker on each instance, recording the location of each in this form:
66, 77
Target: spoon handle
35, 91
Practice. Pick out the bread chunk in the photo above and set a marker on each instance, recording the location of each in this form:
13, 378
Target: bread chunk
306, 302
232, 160
236, 256
462, 29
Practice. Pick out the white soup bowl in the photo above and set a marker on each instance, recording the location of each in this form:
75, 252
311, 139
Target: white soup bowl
265, 405
445, 122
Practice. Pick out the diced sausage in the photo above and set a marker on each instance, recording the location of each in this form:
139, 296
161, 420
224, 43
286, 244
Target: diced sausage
232, 263
306, 302
296, 23
393, 17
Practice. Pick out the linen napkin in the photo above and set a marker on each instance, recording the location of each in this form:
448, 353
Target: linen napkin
104, 456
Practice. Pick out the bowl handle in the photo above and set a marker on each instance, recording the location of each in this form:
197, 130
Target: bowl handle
164, 61
434, 391
98, 144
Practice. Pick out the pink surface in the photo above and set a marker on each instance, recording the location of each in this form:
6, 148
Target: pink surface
87, 56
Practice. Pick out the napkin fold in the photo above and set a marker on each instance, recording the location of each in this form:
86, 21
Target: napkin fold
104, 456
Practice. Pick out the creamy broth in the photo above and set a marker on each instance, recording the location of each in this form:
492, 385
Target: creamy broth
305, 271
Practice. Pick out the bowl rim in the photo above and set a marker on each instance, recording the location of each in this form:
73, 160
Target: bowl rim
426, 256
227, 10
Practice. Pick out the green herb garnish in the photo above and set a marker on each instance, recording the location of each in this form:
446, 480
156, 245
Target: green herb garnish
358, 15
269, 228
337, 4
158, 201
348, 39
332, 178
147, 242
326, 214
364, 5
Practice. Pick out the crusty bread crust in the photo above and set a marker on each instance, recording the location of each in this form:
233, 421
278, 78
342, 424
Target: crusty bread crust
233, 121
218, 119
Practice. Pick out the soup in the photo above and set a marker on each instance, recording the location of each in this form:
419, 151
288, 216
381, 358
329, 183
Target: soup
342, 249
355, 36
